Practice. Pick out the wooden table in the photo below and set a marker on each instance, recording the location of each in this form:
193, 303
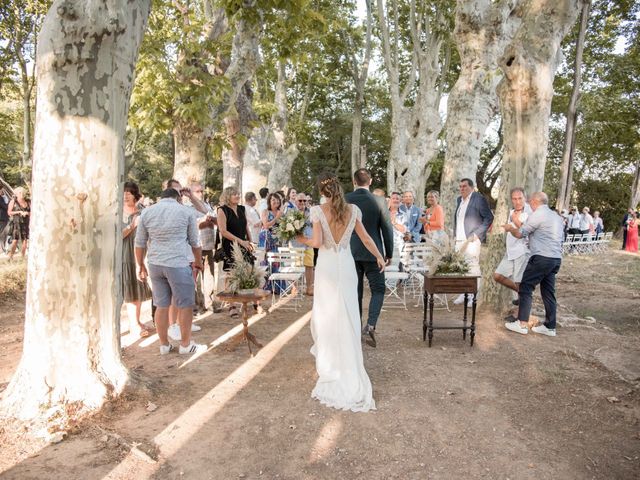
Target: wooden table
245, 299
465, 284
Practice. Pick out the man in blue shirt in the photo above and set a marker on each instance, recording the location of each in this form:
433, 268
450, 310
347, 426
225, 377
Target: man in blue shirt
544, 229
412, 215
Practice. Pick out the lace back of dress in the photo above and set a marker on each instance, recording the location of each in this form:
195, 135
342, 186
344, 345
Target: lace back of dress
327, 236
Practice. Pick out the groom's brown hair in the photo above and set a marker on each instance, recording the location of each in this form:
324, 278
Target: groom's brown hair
362, 177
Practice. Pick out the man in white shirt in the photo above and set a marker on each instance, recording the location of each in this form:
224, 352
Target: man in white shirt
512, 266
574, 221
586, 221
471, 221
253, 217
262, 204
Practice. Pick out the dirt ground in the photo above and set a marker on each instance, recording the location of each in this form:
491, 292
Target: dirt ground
511, 407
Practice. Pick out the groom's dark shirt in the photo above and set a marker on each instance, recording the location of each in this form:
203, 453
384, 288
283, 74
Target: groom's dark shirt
375, 218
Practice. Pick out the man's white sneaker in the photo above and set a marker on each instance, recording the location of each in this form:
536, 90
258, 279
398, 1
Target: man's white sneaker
541, 329
174, 332
165, 349
192, 348
195, 328
515, 327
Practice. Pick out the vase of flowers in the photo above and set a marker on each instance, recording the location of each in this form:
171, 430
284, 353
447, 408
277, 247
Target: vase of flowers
291, 225
244, 278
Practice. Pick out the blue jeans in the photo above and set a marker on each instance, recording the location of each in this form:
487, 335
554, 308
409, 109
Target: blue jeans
540, 270
376, 284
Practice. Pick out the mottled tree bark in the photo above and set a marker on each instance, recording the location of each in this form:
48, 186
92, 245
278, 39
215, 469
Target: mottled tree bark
242, 64
360, 72
566, 169
71, 361
635, 188
190, 157
529, 65
414, 129
483, 30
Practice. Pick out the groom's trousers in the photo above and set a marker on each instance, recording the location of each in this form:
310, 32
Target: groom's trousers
376, 284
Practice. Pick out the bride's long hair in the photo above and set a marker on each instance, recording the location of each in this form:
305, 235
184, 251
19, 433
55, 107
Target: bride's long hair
329, 186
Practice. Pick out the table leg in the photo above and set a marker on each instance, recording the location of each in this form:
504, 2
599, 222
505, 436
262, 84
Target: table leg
251, 338
464, 317
473, 319
425, 300
431, 300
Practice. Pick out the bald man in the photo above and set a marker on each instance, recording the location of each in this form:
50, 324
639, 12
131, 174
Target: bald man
544, 230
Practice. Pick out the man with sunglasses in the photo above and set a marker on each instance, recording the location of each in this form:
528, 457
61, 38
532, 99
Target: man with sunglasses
302, 204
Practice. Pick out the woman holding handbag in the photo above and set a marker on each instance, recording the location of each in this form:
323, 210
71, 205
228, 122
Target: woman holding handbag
232, 227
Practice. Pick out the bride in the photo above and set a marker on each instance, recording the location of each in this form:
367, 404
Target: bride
335, 319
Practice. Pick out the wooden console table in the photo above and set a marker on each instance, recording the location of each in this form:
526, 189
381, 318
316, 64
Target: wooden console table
244, 299
464, 284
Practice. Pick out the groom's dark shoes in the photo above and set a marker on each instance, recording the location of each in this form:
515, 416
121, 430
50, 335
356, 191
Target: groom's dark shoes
369, 335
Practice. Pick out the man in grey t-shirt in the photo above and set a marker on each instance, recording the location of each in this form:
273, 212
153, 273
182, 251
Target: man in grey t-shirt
164, 232
544, 229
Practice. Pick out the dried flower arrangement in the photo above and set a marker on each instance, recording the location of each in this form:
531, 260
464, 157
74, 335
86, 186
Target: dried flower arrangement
445, 260
244, 275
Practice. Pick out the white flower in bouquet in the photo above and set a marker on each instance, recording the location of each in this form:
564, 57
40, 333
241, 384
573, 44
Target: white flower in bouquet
291, 225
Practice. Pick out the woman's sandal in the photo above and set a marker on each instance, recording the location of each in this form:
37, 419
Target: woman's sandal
144, 330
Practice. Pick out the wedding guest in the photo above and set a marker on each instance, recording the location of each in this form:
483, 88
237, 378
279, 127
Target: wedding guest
262, 204
270, 218
632, 234
598, 224
586, 221
233, 227
19, 211
511, 268
268, 240
433, 221
471, 221
625, 226
134, 292
574, 221
4, 217
543, 229
412, 215
253, 217
302, 205
399, 223
292, 195
206, 229
163, 231
196, 207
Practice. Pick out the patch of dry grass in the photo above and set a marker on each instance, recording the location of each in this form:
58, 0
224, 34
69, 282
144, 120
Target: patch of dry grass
13, 278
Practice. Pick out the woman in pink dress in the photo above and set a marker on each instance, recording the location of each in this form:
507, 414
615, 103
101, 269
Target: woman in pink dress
632, 234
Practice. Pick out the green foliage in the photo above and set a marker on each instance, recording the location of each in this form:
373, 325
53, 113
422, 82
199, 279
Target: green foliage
608, 130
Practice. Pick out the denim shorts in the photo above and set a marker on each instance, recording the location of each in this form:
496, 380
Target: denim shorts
172, 285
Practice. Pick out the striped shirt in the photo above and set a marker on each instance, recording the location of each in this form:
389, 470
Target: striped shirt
168, 230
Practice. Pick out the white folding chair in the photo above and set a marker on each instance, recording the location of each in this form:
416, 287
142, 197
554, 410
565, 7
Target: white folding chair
284, 284
395, 296
414, 260
296, 264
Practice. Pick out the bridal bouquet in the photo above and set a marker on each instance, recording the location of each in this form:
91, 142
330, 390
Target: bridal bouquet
291, 225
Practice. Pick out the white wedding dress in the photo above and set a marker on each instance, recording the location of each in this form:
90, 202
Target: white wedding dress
343, 382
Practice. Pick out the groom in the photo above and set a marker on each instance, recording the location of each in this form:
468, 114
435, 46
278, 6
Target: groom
375, 218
